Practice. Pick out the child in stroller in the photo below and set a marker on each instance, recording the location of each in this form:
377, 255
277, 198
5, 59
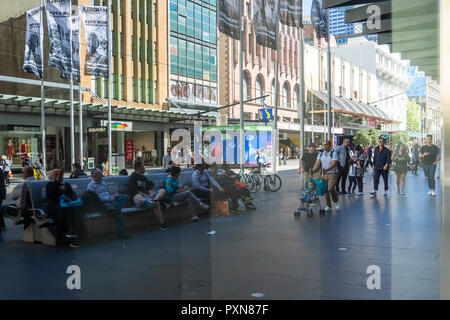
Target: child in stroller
309, 195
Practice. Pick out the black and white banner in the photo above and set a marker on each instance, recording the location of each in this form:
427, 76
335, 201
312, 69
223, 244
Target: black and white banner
319, 19
265, 17
33, 43
229, 13
76, 68
59, 26
95, 20
291, 12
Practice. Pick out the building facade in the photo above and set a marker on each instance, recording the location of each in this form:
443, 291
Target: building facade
353, 85
391, 77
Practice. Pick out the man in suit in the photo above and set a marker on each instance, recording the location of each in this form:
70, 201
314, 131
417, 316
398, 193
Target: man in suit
380, 166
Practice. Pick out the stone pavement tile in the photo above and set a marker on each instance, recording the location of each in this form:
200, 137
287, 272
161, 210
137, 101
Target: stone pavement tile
431, 274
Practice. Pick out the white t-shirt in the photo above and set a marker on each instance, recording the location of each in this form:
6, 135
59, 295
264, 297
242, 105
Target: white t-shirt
352, 172
326, 160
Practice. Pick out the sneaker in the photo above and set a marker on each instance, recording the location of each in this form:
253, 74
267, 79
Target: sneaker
338, 206
344, 192
194, 218
327, 209
124, 236
71, 234
359, 193
203, 206
373, 194
402, 193
433, 193
163, 226
250, 206
385, 193
430, 192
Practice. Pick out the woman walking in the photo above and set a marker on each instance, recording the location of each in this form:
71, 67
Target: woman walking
401, 160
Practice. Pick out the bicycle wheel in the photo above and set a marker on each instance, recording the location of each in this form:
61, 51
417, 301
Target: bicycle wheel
273, 182
253, 184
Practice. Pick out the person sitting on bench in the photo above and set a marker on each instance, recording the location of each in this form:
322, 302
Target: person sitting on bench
202, 183
141, 191
178, 193
98, 198
64, 217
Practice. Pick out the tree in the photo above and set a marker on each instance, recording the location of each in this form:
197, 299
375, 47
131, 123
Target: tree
362, 138
374, 135
413, 116
401, 136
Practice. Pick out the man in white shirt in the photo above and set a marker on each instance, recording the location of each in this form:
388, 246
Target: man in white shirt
328, 160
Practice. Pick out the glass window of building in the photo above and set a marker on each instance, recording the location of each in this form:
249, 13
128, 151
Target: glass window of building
273, 91
296, 98
246, 86
259, 88
285, 95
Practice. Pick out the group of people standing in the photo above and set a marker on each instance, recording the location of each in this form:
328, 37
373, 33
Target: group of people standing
347, 163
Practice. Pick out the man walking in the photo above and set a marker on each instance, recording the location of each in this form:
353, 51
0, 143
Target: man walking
307, 164
380, 166
429, 153
328, 159
343, 154
415, 158
369, 153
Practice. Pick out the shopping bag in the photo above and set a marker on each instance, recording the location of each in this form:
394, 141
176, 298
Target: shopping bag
239, 184
70, 204
10, 174
221, 208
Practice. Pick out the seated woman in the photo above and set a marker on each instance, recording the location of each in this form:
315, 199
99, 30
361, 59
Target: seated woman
98, 198
178, 193
141, 191
63, 216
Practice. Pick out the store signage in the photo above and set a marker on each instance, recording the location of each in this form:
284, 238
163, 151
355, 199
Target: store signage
193, 92
129, 150
265, 114
23, 128
97, 130
118, 125
91, 163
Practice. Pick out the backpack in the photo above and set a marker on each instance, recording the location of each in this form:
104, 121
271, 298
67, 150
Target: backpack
323, 152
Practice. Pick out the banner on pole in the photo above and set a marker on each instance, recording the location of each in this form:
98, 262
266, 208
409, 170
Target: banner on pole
319, 19
95, 19
291, 13
229, 14
265, 17
33, 43
59, 26
76, 67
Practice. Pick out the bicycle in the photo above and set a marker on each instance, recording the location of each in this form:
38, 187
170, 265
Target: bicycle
261, 176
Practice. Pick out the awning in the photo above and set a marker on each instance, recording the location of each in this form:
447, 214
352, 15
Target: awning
19, 104
353, 107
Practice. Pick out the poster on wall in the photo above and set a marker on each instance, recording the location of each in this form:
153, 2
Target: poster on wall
129, 150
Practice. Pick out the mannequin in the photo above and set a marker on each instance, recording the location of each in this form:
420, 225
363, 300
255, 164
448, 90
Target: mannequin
10, 150
28, 146
23, 150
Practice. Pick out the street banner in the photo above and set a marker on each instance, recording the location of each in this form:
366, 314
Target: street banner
33, 43
291, 13
319, 19
59, 26
95, 20
76, 67
229, 14
265, 20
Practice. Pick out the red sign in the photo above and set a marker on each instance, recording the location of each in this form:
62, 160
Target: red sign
129, 150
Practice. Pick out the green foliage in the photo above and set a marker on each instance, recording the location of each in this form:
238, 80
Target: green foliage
413, 116
401, 136
366, 137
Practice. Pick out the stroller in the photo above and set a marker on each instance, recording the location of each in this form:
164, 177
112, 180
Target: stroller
321, 186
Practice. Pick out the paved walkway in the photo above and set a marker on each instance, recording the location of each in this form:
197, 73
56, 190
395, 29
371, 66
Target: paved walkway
264, 251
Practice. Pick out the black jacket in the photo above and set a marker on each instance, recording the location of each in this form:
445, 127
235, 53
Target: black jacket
138, 183
2, 186
78, 174
380, 159
54, 192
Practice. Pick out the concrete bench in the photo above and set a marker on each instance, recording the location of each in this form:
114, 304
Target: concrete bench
98, 224
155, 171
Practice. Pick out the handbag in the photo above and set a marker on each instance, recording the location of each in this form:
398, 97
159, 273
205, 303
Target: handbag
70, 204
221, 208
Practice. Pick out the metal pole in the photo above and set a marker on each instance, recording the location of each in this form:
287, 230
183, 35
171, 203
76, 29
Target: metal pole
80, 100
44, 154
275, 116
72, 121
312, 114
421, 116
241, 94
329, 81
302, 97
109, 90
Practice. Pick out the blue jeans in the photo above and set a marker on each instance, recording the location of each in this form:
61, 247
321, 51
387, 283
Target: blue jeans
118, 216
430, 172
